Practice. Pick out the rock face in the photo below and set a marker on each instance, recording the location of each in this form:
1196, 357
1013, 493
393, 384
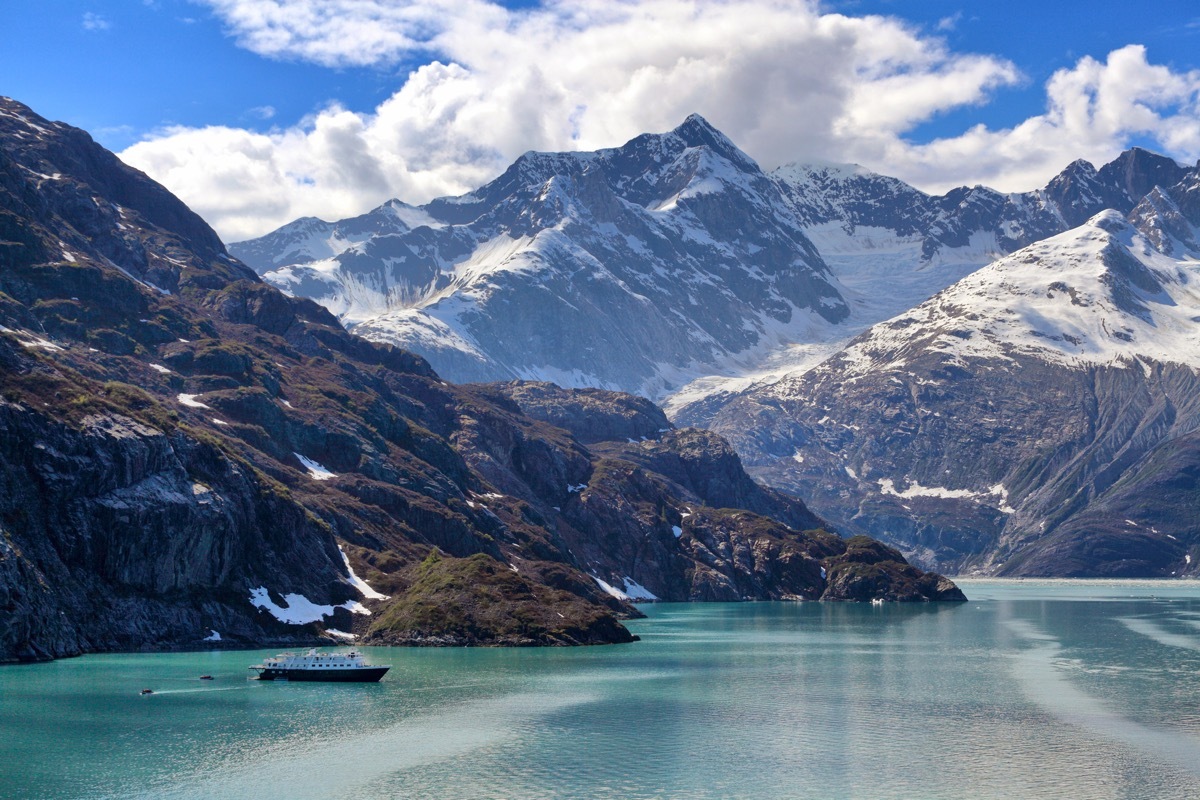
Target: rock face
624, 269
190, 458
1036, 418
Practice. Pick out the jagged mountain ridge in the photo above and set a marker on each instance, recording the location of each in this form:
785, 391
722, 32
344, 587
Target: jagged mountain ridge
485, 285
1036, 418
967, 224
624, 268
191, 458
891, 246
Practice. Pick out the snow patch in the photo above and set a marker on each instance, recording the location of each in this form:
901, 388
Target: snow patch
610, 589
341, 634
315, 470
160, 368
355, 607
45, 344
635, 591
358, 583
299, 610
190, 401
888, 486
212, 637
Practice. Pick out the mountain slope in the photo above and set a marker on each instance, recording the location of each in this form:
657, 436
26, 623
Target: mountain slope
890, 246
190, 458
628, 268
1012, 423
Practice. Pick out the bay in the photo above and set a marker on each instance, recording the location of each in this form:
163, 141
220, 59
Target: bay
1072, 689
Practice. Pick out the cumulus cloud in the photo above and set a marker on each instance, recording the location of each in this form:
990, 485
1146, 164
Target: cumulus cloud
1093, 110
782, 79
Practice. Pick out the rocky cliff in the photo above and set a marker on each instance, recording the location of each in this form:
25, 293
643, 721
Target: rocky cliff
191, 458
1037, 418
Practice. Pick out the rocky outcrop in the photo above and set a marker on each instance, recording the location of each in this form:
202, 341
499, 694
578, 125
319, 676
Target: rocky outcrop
591, 415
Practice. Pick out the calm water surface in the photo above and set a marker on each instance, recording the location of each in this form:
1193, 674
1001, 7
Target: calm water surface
1033, 689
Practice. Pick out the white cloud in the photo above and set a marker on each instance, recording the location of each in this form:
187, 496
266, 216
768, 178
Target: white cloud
95, 22
951, 22
1093, 111
783, 80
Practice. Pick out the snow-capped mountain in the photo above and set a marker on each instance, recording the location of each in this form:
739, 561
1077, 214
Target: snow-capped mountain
848, 209
635, 268
1040, 416
891, 246
672, 259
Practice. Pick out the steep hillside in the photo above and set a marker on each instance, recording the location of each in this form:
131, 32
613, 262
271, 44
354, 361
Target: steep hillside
191, 458
1036, 418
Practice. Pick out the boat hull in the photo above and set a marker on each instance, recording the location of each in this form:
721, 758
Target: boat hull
356, 675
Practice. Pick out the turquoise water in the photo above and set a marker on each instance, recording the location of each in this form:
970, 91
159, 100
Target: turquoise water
1032, 689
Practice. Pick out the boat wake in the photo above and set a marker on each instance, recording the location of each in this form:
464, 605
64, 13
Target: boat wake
1041, 672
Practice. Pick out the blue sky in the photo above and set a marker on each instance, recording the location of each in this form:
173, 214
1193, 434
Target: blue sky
433, 96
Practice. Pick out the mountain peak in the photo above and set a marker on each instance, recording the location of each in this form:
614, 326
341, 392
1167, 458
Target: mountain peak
696, 131
1137, 171
1109, 220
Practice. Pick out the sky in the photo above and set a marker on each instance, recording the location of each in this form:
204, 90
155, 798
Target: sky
257, 112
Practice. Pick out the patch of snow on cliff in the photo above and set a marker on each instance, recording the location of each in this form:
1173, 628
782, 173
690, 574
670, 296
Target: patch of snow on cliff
160, 368
315, 470
1000, 491
341, 634
888, 486
299, 611
45, 344
190, 401
412, 216
635, 591
358, 583
610, 589
212, 637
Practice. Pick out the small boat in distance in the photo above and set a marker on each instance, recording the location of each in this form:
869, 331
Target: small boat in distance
314, 666
146, 691
206, 677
